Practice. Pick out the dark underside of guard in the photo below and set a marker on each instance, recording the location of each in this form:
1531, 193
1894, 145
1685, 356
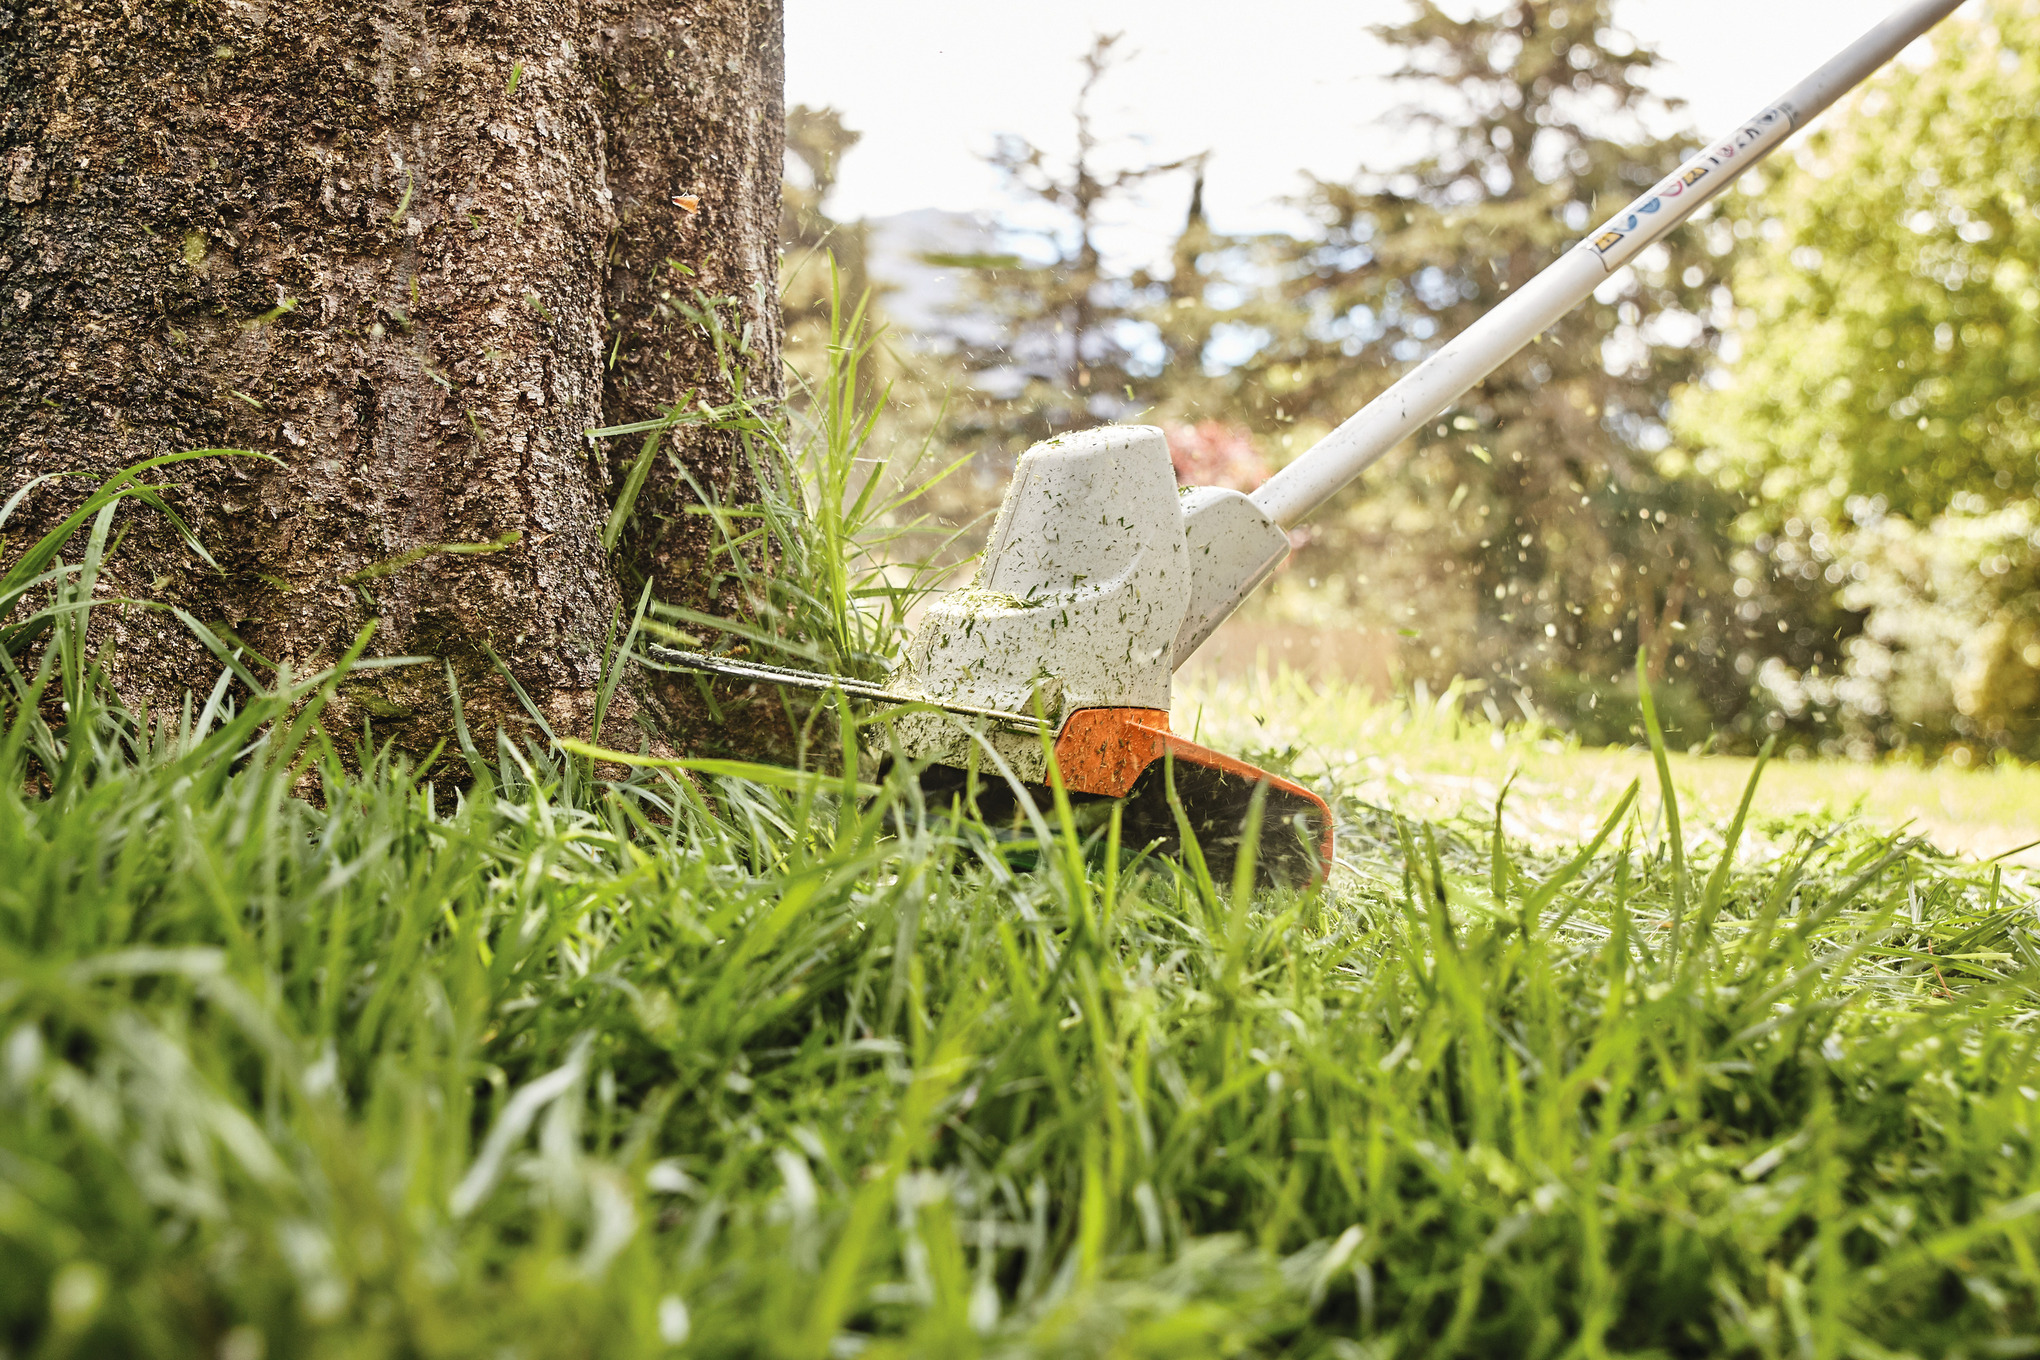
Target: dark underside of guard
1218, 805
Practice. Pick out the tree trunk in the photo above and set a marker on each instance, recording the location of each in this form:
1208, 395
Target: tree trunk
696, 124
393, 248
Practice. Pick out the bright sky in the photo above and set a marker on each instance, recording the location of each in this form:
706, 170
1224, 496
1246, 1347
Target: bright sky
1272, 87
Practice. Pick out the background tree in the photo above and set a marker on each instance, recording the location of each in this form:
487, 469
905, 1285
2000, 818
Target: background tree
826, 261
1529, 538
1882, 416
410, 255
1068, 330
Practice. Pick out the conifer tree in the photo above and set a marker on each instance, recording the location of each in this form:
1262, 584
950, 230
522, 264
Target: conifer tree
1528, 538
1070, 333
825, 259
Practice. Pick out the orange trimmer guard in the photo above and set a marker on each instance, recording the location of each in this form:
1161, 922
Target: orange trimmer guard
1127, 753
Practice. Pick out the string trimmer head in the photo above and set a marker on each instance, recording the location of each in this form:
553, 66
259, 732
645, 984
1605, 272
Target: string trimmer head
1055, 666
1098, 580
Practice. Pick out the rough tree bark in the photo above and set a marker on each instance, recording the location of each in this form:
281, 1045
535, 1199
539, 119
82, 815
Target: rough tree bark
411, 252
698, 220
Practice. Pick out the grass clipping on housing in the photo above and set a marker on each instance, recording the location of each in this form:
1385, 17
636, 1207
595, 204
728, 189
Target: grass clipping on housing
542, 1063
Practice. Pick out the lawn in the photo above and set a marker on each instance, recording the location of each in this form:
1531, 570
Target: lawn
737, 1062
1432, 761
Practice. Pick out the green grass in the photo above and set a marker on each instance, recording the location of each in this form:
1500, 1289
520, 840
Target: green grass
307, 1052
302, 1062
1426, 757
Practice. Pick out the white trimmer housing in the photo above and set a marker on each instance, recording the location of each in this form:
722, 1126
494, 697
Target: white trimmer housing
1100, 579
1082, 589
1233, 546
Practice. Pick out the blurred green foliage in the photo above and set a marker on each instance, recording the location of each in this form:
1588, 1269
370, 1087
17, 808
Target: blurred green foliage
1883, 416
826, 260
1891, 299
1950, 647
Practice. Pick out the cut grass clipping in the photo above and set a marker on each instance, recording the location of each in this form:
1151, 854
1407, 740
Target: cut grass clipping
730, 1065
